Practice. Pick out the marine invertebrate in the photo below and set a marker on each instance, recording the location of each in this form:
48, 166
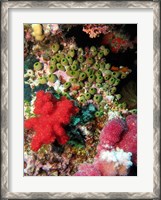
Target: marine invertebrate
129, 140
94, 30
116, 150
37, 66
84, 74
111, 132
38, 32
117, 133
113, 163
117, 41
109, 163
51, 117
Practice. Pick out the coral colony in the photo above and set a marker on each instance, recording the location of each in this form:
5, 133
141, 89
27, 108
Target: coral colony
80, 100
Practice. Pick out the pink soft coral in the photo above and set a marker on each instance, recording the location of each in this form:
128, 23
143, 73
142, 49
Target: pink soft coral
111, 133
52, 116
129, 140
118, 134
118, 142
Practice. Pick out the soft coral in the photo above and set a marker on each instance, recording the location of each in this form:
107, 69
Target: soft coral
129, 139
120, 133
51, 117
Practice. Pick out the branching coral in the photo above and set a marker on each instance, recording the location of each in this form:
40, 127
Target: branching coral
94, 30
51, 117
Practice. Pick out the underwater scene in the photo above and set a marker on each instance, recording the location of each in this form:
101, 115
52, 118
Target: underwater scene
80, 100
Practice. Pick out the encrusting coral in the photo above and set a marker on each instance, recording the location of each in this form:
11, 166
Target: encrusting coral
51, 117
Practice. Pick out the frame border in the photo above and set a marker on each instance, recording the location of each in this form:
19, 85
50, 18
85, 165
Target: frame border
5, 6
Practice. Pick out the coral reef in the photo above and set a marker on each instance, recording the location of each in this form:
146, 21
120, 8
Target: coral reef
61, 160
83, 74
79, 106
52, 116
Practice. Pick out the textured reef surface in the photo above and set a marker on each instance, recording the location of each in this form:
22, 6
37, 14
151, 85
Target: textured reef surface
80, 100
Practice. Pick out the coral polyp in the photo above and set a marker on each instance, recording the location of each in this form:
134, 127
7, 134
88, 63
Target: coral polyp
80, 100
